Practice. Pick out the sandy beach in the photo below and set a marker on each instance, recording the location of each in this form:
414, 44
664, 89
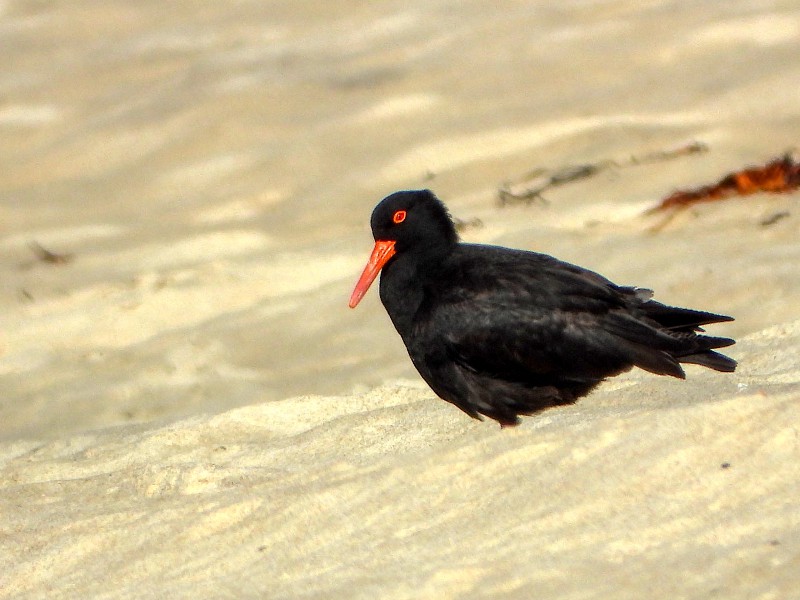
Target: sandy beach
188, 408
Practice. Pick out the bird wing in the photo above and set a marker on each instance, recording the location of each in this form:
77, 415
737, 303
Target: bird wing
541, 321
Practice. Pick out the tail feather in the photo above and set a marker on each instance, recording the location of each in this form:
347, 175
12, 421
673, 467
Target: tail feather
681, 319
707, 342
712, 360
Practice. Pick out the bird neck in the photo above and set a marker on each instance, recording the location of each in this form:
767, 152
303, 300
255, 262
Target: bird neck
401, 293
405, 281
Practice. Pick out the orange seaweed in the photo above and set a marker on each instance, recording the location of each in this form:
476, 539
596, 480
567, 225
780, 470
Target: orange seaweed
777, 176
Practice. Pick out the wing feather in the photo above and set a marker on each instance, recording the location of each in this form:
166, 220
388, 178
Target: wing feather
544, 322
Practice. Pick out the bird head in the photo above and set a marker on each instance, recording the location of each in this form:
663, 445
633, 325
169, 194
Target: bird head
408, 222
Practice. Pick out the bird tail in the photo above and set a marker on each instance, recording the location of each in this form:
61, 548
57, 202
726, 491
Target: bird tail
684, 323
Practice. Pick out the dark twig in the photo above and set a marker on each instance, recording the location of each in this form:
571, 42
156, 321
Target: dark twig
774, 218
462, 225
47, 256
530, 187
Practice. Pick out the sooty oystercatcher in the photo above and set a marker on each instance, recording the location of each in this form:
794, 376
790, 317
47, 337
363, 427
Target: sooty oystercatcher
502, 332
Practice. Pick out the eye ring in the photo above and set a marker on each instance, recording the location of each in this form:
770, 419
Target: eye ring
399, 216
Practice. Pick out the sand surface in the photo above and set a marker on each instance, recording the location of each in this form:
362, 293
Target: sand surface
188, 409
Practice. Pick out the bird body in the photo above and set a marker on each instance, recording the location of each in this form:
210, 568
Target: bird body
502, 332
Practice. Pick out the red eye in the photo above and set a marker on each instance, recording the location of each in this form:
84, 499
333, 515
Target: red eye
399, 216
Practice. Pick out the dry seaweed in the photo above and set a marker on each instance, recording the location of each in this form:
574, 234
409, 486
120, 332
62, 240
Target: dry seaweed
777, 176
462, 225
47, 256
774, 218
529, 188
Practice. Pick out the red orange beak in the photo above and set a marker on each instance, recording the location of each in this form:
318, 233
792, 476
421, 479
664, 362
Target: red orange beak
381, 253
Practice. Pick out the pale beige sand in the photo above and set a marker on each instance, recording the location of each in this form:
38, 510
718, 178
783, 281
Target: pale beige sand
188, 408
652, 489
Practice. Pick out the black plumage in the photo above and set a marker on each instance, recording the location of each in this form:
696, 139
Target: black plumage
502, 332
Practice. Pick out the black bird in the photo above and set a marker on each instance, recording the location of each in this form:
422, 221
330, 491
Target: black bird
502, 332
